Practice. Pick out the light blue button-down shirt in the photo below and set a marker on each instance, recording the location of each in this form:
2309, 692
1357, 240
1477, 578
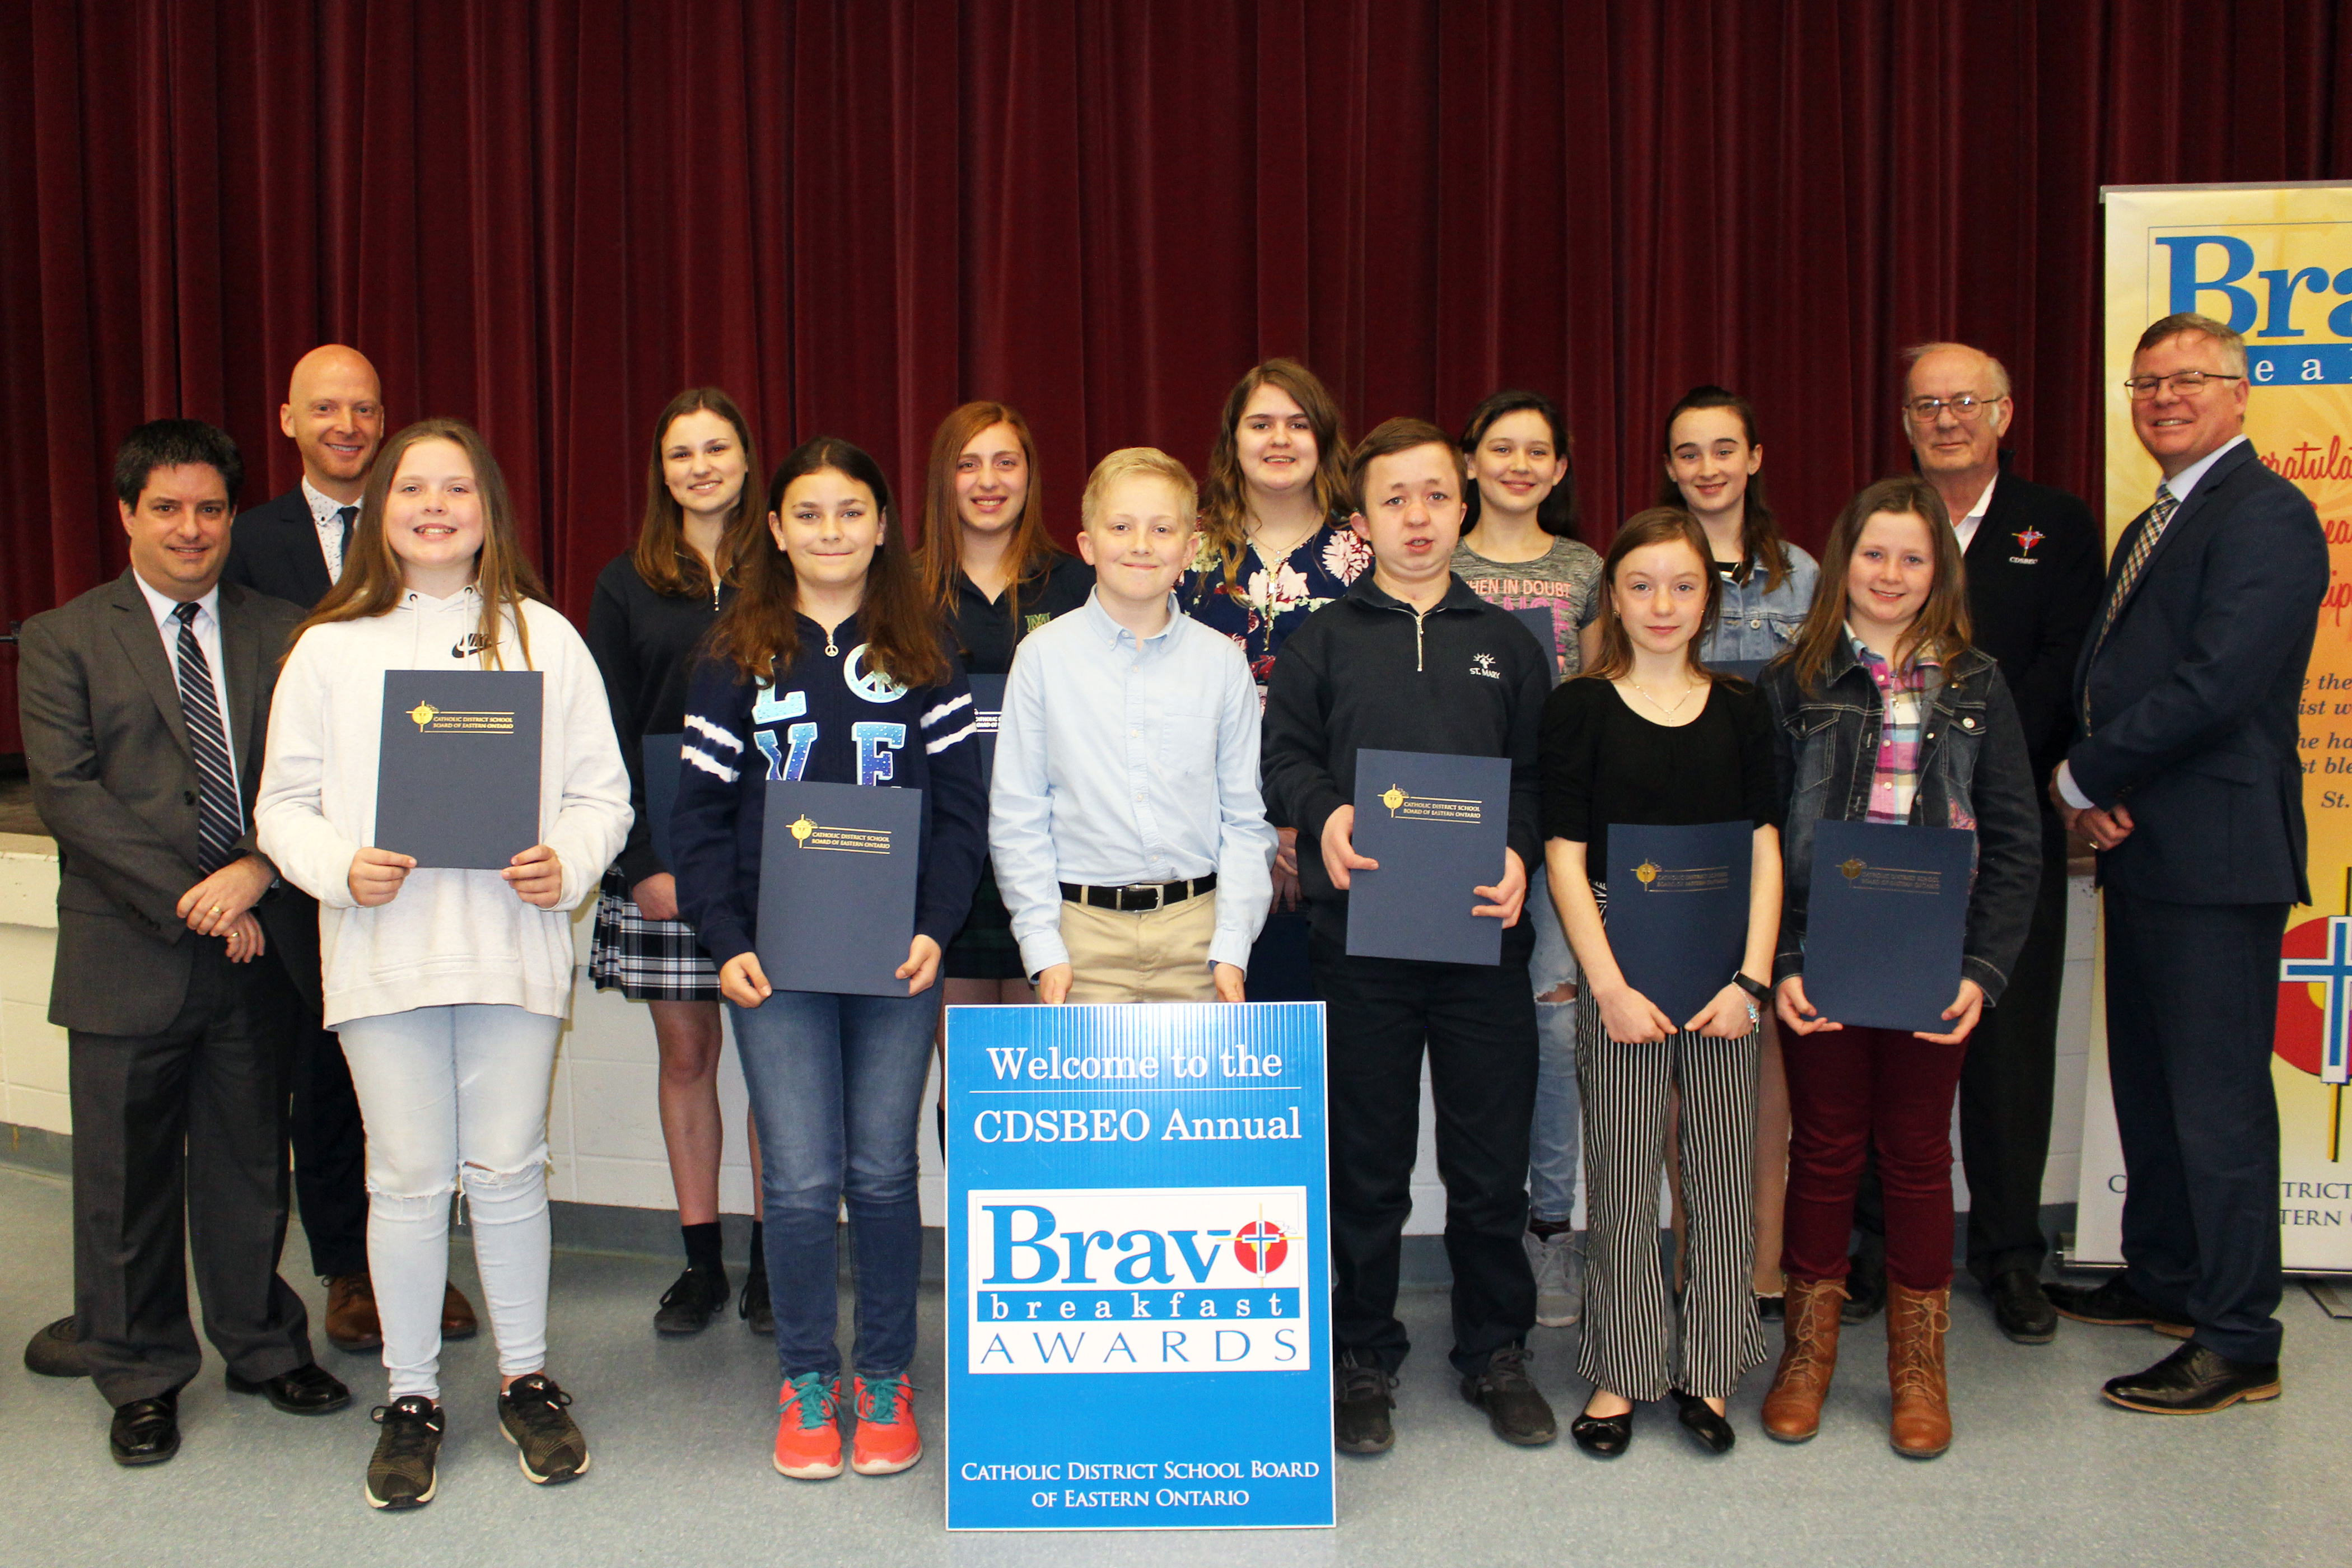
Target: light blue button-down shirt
1121, 762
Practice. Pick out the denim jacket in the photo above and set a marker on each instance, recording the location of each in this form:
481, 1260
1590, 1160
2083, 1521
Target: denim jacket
1973, 772
1754, 624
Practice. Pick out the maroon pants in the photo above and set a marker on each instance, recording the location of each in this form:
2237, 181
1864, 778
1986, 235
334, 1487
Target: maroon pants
1851, 1089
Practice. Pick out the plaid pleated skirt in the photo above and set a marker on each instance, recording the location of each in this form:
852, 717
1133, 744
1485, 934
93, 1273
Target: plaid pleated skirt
644, 959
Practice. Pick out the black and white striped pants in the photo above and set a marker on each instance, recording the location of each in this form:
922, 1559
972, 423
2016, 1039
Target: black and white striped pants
1635, 1344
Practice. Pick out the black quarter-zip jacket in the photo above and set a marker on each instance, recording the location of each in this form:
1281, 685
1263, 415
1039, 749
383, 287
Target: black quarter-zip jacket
1465, 679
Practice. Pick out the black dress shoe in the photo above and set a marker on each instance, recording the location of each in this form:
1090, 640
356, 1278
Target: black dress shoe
309, 1390
1603, 1436
2114, 1305
1712, 1432
52, 1351
146, 1431
2020, 1309
2195, 1381
1865, 1287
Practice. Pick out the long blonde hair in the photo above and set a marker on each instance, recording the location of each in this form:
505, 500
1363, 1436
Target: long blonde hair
372, 581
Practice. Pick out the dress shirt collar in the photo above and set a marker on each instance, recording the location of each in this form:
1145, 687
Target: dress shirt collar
1110, 631
323, 507
2182, 483
166, 611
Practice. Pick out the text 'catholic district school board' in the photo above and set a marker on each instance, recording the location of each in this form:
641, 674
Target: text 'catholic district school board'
1138, 1295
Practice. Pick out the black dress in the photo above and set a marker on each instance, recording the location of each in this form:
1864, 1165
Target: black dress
986, 633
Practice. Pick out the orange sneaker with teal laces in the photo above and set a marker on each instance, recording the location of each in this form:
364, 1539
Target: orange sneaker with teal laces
808, 1439
886, 1439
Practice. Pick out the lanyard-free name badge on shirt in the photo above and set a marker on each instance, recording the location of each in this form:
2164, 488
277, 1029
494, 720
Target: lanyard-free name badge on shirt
1436, 824
457, 766
1886, 921
837, 866
1138, 1280
1678, 917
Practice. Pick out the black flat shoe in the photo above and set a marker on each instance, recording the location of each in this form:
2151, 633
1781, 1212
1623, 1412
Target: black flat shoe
1771, 1309
1603, 1436
146, 1431
2195, 1381
1712, 1432
309, 1390
2020, 1309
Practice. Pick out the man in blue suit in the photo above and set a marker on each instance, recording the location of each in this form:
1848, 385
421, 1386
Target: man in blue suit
2187, 779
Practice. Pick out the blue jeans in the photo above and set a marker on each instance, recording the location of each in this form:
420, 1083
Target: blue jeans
1552, 1140
836, 1087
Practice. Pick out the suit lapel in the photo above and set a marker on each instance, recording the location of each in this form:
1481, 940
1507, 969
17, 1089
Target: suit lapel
142, 645
241, 652
2190, 511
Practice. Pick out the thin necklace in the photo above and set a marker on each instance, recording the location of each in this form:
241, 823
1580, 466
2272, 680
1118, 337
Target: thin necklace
1661, 707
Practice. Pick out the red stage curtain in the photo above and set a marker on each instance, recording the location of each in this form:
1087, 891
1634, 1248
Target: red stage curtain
547, 215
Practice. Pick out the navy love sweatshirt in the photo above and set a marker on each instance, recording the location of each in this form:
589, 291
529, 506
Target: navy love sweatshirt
1465, 679
830, 719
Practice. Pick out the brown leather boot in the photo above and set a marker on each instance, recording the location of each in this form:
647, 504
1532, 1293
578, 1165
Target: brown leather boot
458, 1322
352, 1322
1917, 1321
1792, 1411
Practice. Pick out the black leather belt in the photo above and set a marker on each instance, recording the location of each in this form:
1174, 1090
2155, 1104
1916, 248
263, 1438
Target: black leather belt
1144, 896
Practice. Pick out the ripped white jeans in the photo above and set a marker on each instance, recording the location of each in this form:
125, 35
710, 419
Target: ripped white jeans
455, 1096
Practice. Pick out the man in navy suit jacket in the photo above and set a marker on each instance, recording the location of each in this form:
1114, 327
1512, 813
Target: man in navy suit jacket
2188, 780
292, 548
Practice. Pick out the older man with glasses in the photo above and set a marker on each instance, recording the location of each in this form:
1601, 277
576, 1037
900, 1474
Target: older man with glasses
2187, 779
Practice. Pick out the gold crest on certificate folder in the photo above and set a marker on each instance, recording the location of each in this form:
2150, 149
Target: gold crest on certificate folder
431, 720
808, 834
1890, 878
1657, 878
1430, 807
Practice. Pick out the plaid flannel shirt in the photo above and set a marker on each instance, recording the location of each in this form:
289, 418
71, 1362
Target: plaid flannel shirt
1903, 711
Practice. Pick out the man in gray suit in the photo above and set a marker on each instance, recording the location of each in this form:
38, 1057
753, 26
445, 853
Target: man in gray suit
144, 706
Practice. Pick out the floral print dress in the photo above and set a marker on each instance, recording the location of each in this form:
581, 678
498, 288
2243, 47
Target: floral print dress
1265, 603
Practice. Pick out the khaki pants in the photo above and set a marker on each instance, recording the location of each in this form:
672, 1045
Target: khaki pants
1152, 955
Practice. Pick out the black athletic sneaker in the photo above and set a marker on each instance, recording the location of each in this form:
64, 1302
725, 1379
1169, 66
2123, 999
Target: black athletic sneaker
1360, 1406
687, 1307
548, 1444
401, 1474
755, 1308
1515, 1409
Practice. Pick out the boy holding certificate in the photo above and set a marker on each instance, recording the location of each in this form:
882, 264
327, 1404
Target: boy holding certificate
1129, 839
1883, 712
1410, 659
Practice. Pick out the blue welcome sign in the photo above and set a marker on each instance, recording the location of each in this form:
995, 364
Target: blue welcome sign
1139, 1283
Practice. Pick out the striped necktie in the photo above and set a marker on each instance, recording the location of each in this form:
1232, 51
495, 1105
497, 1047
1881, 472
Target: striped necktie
218, 818
2135, 563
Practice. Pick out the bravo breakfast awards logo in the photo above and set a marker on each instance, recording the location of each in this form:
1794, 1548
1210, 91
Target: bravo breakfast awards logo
1166, 1280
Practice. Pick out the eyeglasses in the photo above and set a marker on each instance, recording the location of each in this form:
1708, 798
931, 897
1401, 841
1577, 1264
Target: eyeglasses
1965, 407
2184, 384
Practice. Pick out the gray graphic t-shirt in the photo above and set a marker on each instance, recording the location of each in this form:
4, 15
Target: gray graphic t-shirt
1564, 580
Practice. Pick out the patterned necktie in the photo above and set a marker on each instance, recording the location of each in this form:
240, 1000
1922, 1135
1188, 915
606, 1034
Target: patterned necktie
218, 818
2142, 548
345, 514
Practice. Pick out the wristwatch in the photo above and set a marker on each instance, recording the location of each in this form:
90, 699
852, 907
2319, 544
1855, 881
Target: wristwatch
1753, 988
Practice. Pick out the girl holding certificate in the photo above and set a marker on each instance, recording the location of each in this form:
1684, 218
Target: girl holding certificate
1275, 548
1882, 711
448, 987
830, 668
1648, 736
653, 605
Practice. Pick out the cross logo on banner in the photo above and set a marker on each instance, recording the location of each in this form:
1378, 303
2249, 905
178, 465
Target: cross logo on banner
2334, 971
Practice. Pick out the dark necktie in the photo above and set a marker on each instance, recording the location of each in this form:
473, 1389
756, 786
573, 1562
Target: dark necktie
217, 816
345, 514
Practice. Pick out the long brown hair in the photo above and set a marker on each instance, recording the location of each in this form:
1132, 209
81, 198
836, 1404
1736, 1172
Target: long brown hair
662, 556
1759, 531
1031, 550
372, 582
1656, 525
1224, 501
1941, 628
760, 630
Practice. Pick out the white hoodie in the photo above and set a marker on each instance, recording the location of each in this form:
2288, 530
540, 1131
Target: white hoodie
449, 936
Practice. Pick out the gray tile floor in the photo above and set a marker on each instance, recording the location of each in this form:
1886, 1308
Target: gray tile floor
2041, 1472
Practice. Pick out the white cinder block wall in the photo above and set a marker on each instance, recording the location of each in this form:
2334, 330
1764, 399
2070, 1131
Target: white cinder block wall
604, 1136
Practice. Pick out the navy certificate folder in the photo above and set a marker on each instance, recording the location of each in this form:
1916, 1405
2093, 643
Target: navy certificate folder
837, 868
457, 767
1677, 915
1538, 619
661, 757
1436, 824
1886, 917
988, 717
